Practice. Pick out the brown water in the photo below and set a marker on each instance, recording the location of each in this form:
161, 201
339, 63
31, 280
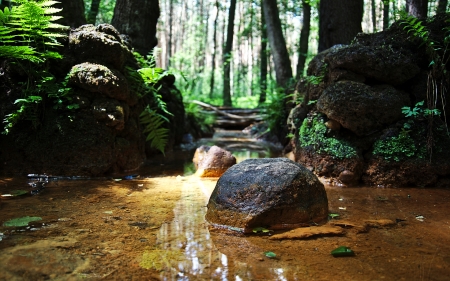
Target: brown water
153, 228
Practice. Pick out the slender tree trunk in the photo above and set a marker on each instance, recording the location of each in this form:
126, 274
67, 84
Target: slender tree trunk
374, 17
72, 13
442, 6
137, 19
227, 55
283, 70
385, 14
263, 55
339, 22
169, 40
417, 8
213, 59
93, 12
304, 38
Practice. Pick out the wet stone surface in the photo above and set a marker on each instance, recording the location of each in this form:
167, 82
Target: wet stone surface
275, 193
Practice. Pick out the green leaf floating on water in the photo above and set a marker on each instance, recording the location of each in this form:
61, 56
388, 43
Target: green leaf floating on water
23, 221
18, 192
271, 255
260, 229
333, 215
342, 251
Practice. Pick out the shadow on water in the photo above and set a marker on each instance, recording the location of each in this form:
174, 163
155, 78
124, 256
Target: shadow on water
152, 227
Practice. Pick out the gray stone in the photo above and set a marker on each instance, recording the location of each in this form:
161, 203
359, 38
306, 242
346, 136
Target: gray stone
361, 108
275, 193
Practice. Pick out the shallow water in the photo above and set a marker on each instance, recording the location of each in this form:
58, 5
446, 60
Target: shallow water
153, 228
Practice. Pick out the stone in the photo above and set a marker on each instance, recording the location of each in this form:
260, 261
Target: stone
275, 193
101, 43
212, 161
97, 78
361, 108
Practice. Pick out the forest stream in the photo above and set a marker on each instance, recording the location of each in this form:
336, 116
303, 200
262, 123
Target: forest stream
151, 226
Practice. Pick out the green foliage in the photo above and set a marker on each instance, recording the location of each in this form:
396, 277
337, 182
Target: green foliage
274, 110
203, 119
418, 111
313, 133
28, 37
398, 147
156, 133
144, 82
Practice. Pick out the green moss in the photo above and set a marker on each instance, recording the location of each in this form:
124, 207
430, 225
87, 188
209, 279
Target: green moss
313, 134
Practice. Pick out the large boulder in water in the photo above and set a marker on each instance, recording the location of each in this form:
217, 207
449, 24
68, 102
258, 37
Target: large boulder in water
275, 193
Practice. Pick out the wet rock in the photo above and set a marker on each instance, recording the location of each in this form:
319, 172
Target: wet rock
361, 108
110, 112
101, 43
275, 193
212, 161
97, 78
348, 177
380, 63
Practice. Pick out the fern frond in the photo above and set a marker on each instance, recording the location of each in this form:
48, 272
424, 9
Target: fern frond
157, 134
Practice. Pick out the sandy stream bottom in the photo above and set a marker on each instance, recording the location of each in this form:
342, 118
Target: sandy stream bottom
154, 229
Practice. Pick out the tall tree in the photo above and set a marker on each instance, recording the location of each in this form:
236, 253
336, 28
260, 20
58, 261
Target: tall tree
374, 16
280, 55
72, 13
385, 14
227, 55
442, 6
213, 59
263, 57
304, 38
339, 22
93, 12
138, 20
417, 8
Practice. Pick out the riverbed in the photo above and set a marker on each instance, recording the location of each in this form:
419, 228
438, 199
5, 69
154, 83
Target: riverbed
150, 226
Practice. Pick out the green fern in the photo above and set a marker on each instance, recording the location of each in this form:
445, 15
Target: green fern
28, 37
156, 133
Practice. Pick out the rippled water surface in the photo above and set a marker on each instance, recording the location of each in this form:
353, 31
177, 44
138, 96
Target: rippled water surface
152, 228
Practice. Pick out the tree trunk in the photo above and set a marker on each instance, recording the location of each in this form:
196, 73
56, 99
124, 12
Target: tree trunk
417, 8
374, 17
339, 22
304, 38
138, 20
385, 14
227, 56
169, 40
93, 12
263, 55
283, 70
442, 6
213, 59
72, 13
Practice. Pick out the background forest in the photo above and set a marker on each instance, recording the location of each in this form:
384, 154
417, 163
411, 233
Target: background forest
193, 35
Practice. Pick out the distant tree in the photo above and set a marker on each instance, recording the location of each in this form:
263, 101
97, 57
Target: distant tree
138, 20
385, 14
93, 12
227, 55
442, 6
304, 38
339, 22
213, 59
72, 13
417, 8
374, 16
263, 60
280, 55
